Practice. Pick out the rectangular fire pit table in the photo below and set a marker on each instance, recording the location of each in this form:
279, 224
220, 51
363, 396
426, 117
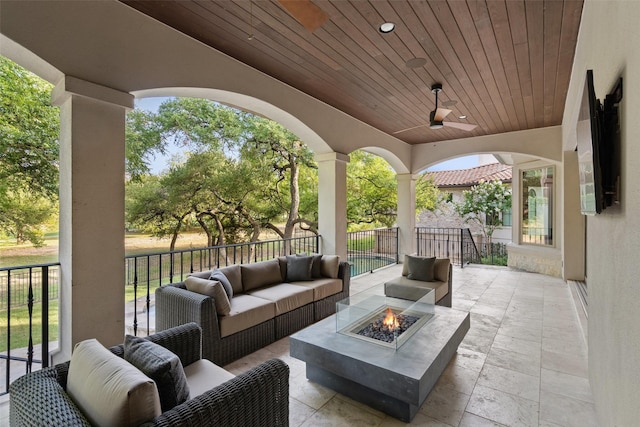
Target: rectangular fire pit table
396, 381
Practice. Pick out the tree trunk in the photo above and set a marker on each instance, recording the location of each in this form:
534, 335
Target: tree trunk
221, 241
174, 237
205, 228
294, 191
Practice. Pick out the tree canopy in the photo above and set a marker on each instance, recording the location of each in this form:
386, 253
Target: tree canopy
484, 204
29, 132
372, 195
240, 174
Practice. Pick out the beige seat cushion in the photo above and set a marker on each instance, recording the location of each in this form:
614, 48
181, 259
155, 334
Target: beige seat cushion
203, 375
109, 390
246, 311
401, 287
322, 288
286, 296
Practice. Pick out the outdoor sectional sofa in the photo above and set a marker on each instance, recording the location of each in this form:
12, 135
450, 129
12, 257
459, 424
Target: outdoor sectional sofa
267, 302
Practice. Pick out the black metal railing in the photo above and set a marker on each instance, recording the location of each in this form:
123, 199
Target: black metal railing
371, 249
493, 253
26, 293
144, 273
456, 244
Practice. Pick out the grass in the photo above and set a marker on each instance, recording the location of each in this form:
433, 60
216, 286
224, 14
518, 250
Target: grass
362, 244
20, 326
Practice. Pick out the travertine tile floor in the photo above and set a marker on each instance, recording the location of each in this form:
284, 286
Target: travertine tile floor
522, 363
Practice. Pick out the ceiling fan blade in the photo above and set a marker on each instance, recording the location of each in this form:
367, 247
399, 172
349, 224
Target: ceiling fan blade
408, 129
306, 13
441, 113
464, 126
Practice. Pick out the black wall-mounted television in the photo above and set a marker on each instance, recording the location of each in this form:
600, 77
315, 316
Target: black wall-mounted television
598, 148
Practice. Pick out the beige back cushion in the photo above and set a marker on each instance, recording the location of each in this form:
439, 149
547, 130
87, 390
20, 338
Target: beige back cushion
234, 275
329, 266
211, 288
260, 274
108, 390
441, 269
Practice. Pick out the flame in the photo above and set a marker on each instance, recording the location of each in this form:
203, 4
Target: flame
390, 320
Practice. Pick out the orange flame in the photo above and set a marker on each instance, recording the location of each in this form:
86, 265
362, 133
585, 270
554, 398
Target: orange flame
390, 320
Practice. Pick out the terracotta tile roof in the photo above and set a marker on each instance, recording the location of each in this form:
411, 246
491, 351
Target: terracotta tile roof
469, 177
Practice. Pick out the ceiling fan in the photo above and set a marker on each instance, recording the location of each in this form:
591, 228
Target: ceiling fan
436, 117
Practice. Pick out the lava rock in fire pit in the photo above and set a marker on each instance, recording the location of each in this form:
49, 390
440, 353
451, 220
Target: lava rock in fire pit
379, 331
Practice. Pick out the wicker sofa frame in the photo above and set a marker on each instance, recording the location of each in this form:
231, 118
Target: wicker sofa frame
258, 397
175, 306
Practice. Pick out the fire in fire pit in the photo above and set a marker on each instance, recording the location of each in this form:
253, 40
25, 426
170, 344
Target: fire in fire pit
388, 326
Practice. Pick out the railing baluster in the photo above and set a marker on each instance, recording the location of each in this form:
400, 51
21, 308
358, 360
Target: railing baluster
30, 309
8, 366
45, 317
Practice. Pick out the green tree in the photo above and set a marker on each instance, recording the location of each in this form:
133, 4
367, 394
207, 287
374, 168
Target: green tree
156, 207
23, 214
484, 204
241, 172
280, 153
29, 159
373, 191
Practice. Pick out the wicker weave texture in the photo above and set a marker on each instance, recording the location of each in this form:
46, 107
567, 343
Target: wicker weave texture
294, 320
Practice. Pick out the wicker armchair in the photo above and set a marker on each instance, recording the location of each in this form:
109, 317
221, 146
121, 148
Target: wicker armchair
258, 397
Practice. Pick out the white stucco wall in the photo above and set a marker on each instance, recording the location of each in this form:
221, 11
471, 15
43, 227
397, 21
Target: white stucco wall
608, 43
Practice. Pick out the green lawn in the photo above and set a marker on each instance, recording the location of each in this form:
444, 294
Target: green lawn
20, 326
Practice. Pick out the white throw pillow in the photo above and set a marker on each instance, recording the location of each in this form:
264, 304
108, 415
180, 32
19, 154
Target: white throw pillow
108, 390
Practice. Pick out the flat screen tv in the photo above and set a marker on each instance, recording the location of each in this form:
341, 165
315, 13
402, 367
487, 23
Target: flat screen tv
589, 134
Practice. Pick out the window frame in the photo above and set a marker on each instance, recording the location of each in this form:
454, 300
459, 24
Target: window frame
550, 206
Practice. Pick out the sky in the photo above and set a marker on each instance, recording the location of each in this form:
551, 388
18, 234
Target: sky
159, 163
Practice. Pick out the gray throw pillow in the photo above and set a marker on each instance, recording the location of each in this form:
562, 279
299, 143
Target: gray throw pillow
299, 268
421, 268
162, 366
220, 277
315, 265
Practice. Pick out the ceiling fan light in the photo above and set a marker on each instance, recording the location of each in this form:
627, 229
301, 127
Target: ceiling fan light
435, 125
386, 27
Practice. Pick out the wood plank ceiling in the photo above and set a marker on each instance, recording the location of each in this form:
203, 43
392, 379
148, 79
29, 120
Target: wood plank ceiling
505, 64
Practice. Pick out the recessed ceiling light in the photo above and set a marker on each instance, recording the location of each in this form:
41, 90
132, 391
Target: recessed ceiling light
387, 27
462, 117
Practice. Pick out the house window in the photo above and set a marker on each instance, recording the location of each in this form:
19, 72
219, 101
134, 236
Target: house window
537, 206
506, 217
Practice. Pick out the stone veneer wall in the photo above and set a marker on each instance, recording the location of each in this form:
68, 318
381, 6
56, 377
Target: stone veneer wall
535, 259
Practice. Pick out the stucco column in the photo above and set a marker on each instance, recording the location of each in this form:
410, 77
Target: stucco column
332, 203
406, 213
91, 251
